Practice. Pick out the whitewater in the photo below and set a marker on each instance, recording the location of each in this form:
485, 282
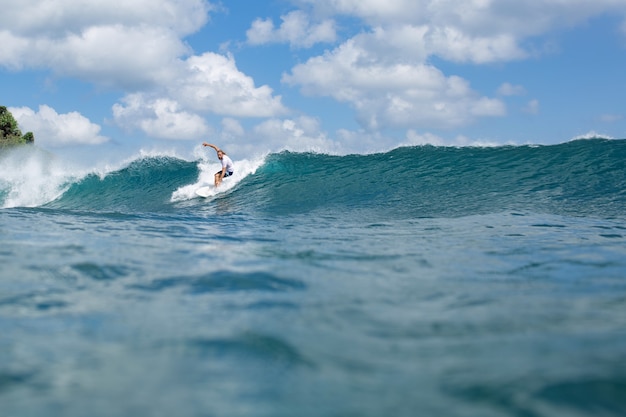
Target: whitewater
422, 281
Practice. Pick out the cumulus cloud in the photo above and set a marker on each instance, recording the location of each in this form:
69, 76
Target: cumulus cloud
212, 82
53, 129
133, 43
455, 45
296, 29
112, 55
55, 19
232, 128
372, 11
385, 71
392, 94
478, 31
159, 118
475, 18
138, 47
205, 84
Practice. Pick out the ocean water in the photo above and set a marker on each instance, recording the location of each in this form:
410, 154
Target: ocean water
425, 281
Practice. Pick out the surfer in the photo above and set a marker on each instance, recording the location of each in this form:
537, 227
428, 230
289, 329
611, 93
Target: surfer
227, 164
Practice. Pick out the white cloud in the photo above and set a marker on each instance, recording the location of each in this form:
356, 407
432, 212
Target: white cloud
205, 84
138, 47
232, 128
477, 31
455, 45
474, 18
372, 11
55, 19
116, 56
12, 50
53, 129
385, 71
132, 43
392, 94
159, 117
296, 29
212, 82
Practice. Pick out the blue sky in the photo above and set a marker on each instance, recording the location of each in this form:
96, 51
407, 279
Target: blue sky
99, 83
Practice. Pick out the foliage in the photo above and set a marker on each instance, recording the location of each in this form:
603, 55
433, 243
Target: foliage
10, 133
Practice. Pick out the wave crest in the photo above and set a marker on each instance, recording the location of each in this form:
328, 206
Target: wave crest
579, 177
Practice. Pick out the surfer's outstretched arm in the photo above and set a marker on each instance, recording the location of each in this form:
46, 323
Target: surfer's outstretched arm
211, 146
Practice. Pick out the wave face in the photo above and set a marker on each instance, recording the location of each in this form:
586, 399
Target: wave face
583, 177
577, 178
145, 185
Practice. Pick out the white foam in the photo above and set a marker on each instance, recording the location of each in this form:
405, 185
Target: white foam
31, 177
592, 135
243, 168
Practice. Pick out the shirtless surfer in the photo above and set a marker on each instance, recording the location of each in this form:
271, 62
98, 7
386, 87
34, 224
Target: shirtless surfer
227, 164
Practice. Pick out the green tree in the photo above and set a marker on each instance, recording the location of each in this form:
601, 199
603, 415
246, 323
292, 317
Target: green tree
10, 133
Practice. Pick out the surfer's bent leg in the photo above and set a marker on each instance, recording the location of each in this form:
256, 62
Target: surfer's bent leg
218, 176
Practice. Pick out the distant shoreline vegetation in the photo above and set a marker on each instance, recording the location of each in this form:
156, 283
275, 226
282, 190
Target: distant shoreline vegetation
10, 133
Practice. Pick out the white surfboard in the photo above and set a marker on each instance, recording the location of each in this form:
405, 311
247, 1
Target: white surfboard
204, 191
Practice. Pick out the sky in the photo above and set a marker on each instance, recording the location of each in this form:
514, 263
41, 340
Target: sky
96, 82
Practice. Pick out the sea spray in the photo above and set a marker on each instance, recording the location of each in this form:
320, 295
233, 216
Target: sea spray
31, 177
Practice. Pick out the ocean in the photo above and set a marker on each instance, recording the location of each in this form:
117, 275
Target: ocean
423, 281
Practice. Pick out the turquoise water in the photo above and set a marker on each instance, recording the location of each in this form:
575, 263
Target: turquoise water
424, 281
